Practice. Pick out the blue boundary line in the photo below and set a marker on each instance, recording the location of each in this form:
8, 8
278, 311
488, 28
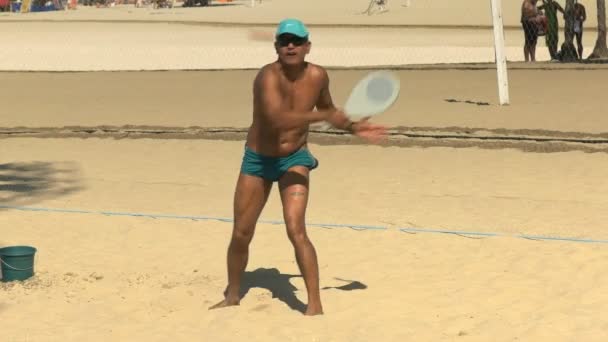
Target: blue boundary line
323, 225
443, 231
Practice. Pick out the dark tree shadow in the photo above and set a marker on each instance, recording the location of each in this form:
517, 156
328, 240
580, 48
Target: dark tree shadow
28, 183
282, 289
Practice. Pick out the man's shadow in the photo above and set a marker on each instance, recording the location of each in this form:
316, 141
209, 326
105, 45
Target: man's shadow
280, 287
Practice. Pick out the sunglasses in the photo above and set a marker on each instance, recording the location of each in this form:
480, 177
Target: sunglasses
285, 40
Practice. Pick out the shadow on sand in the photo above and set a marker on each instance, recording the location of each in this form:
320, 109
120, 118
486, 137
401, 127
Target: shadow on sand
32, 182
281, 288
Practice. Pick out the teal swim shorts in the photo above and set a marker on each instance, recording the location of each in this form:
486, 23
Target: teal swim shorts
272, 168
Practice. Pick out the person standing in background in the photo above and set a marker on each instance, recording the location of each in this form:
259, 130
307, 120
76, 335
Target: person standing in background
551, 7
529, 22
580, 15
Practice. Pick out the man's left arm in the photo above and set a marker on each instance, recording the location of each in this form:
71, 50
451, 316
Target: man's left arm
325, 102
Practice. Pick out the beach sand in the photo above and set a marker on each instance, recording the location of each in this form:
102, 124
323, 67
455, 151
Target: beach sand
488, 222
120, 276
315, 12
462, 97
106, 46
217, 37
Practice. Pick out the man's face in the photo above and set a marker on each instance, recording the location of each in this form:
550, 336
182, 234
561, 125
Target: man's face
292, 49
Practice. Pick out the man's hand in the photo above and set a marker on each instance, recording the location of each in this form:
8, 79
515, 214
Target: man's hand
363, 128
372, 132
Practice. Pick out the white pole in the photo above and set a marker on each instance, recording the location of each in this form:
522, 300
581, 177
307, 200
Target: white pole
252, 3
499, 48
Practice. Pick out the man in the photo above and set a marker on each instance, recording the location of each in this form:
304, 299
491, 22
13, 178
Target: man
285, 94
550, 8
529, 21
580, 15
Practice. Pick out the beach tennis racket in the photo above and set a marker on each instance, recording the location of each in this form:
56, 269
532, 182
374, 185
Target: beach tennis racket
372, 95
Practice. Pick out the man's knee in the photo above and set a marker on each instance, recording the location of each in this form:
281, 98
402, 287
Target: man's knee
297, 234
242, 237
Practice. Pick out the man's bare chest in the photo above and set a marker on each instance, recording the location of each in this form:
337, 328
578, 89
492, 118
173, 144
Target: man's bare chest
300, 95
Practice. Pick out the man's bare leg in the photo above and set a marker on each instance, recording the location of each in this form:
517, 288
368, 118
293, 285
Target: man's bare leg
294, 196
533, 53
526, 53
579, 43
250, 197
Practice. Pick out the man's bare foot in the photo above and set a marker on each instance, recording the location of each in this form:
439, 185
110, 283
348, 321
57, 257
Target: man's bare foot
224, 303
313, 310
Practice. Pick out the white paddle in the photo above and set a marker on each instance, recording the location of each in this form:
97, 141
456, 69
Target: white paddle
372, 95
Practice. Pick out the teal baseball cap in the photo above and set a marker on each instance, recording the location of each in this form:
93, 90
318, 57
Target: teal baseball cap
292, 26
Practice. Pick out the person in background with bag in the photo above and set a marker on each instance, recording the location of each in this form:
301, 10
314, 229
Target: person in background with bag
551, 7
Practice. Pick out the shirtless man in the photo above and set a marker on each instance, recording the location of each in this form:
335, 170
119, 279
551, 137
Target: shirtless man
285, 93
529, 22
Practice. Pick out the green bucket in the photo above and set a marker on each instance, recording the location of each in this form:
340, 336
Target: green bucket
17, 262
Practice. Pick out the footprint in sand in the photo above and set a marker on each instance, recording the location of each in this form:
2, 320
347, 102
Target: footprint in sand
260, 307
93, 277
170, 285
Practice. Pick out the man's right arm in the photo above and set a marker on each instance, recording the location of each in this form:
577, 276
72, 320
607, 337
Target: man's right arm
267, 91
583, 13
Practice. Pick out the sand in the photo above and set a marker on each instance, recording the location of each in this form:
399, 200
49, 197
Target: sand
162, 46
141, 278
473, 222
432, 99
315, 12
97, 39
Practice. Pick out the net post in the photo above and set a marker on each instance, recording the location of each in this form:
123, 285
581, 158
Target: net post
499, 48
